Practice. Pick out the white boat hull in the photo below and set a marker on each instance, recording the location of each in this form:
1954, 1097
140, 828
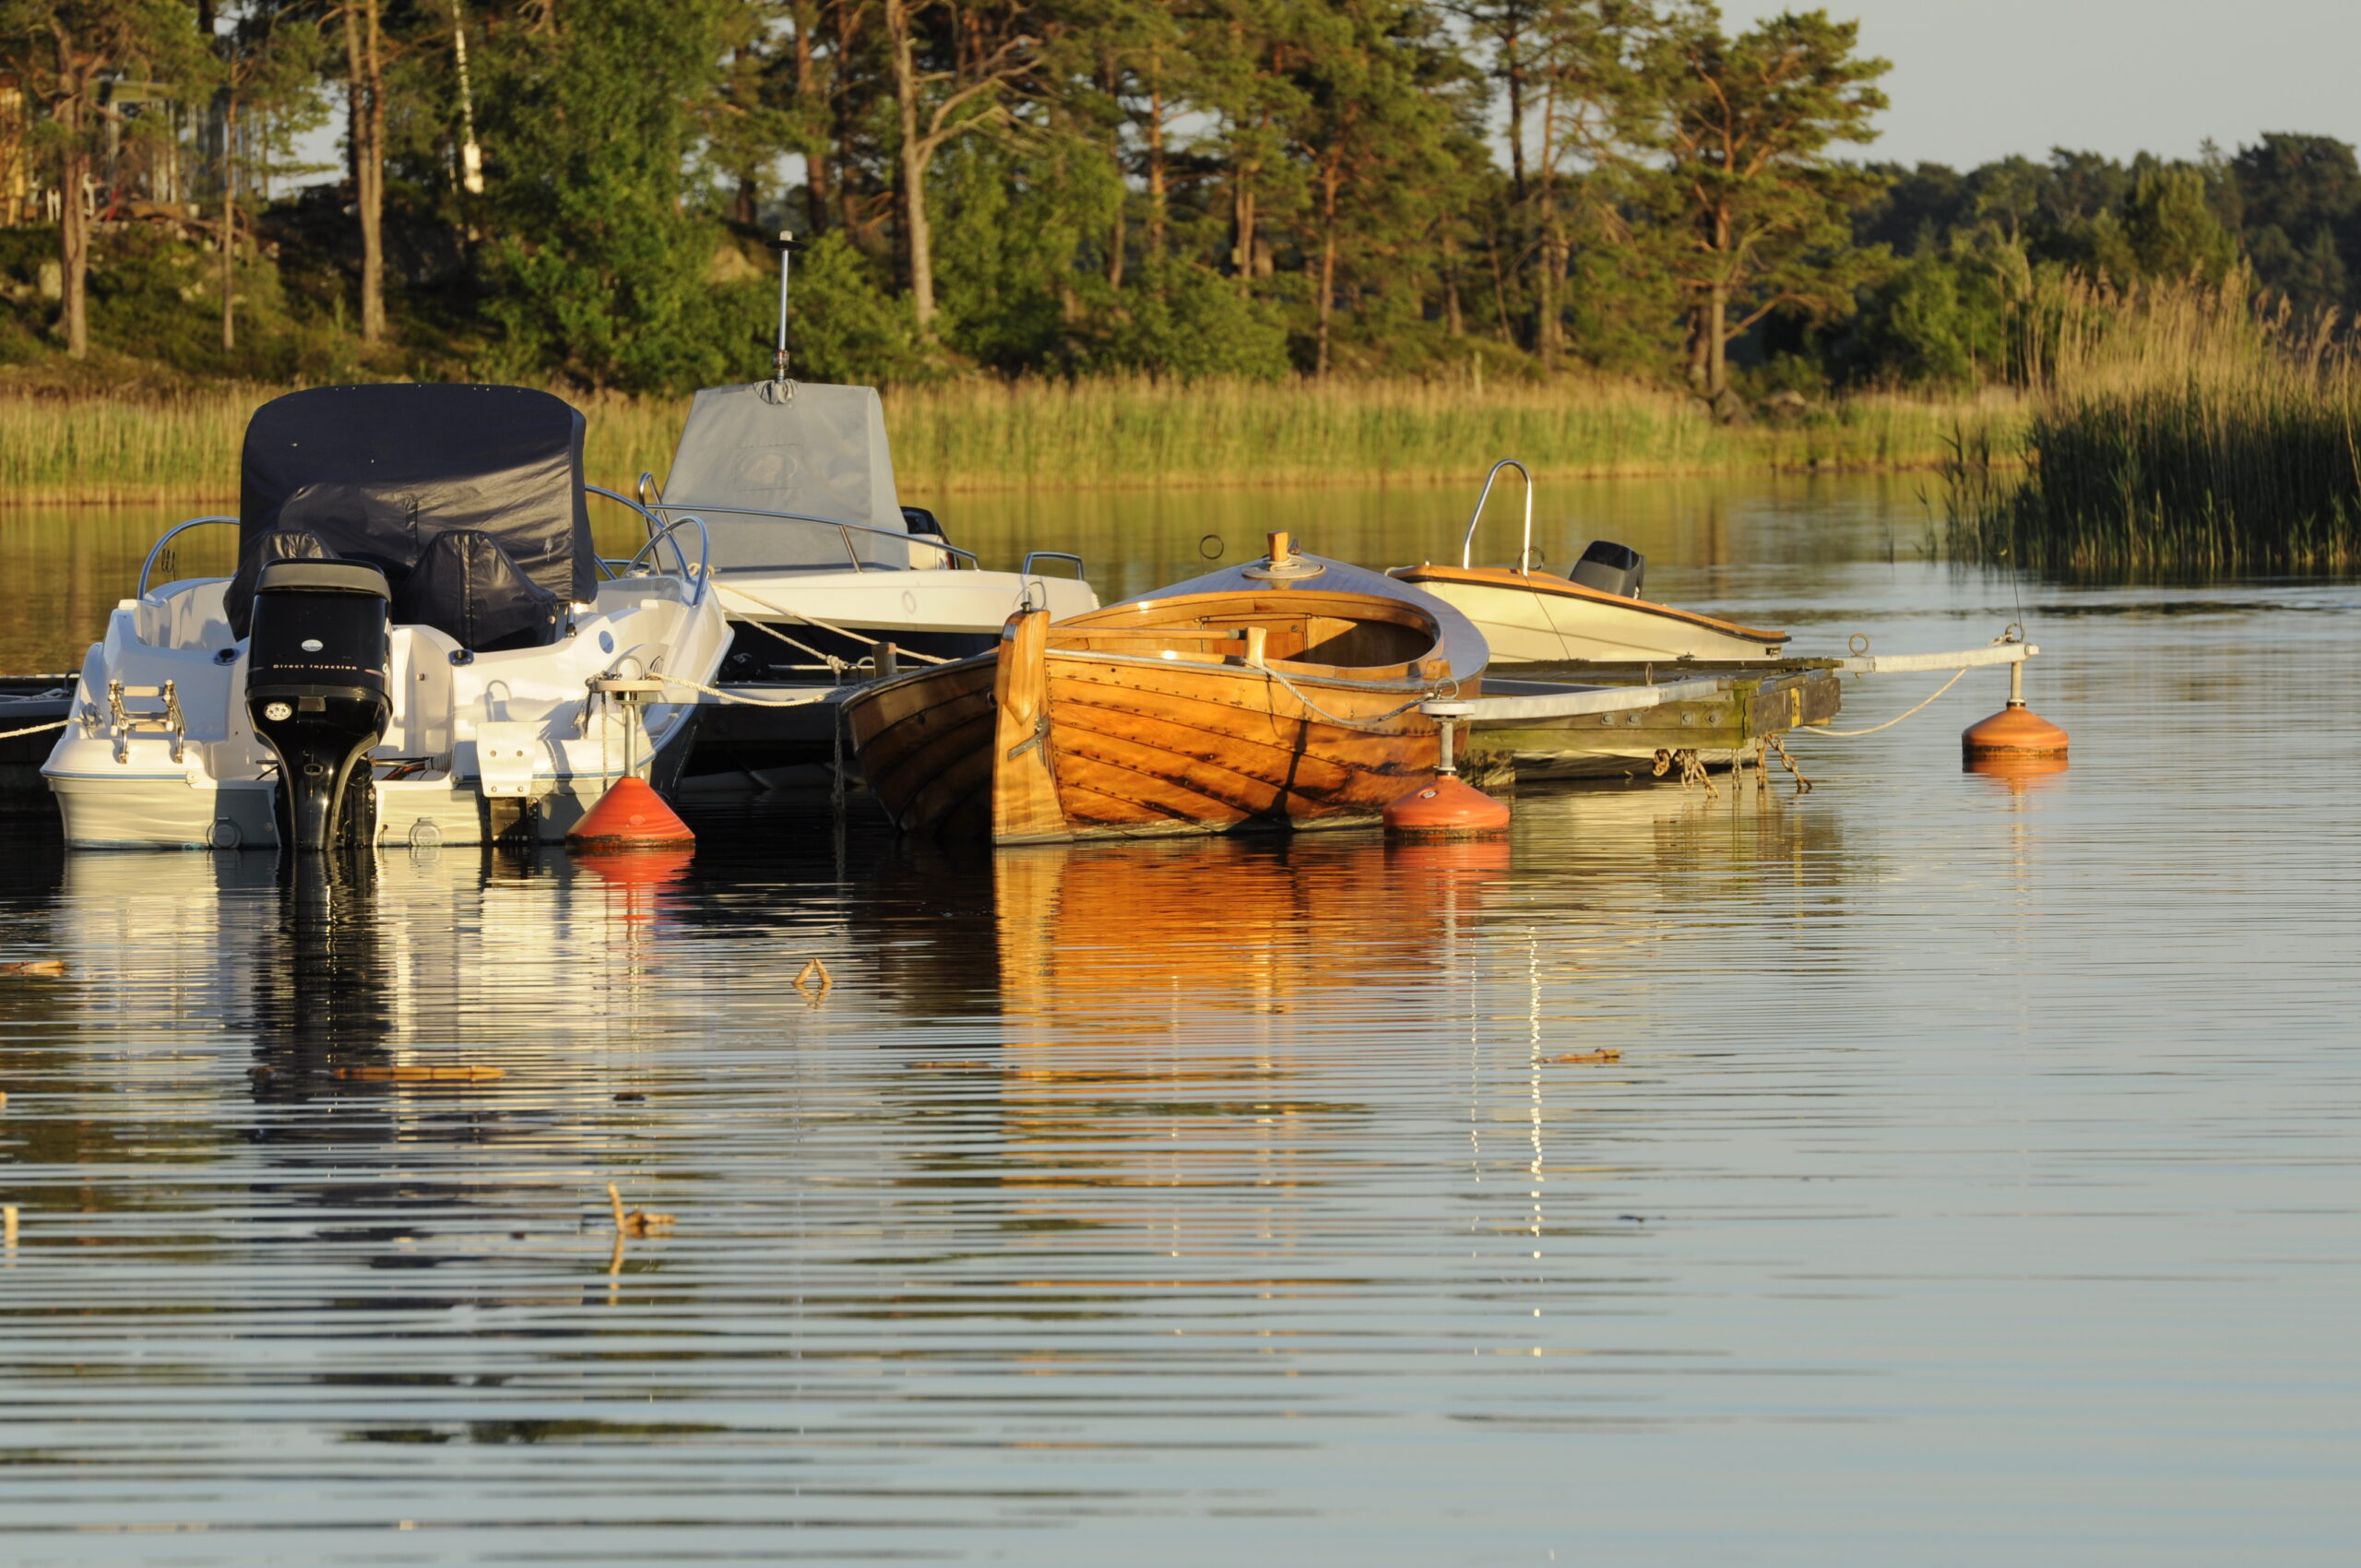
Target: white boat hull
208, 784
1549, 620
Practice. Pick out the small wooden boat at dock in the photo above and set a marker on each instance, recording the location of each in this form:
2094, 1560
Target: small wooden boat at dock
1283, 693
1595, 612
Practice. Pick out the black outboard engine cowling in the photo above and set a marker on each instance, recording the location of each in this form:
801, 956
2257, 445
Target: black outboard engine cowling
315, 689
1611, 568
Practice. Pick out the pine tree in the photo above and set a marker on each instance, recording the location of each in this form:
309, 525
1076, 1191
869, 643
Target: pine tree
1760, 213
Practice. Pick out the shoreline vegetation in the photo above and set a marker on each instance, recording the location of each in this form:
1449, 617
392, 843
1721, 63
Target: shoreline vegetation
1109, 433
2177, 431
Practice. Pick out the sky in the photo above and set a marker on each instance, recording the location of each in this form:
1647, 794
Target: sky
1974, 80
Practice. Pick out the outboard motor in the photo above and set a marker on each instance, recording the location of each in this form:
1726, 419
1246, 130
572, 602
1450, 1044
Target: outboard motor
315, 689
1611, 568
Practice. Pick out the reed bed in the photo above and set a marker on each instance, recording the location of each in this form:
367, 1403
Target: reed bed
991, 435
2181, 432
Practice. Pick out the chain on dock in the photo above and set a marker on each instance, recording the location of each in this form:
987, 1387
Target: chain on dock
1803, 785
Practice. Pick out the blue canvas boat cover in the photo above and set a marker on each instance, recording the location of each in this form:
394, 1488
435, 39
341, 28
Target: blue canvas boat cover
378, 474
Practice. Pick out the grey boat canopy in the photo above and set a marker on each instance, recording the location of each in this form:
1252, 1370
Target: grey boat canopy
805, 449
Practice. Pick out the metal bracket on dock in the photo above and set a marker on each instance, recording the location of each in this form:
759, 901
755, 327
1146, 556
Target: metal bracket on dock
1575, 703
1905, 663
1616, 699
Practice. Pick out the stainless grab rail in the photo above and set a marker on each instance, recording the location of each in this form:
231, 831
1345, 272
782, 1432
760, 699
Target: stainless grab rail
1467, 545
844, 529
1081, 572
171, 534
698, 574
662, 533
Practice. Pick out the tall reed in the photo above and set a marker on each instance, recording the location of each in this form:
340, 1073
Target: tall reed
991, 435
2179, 432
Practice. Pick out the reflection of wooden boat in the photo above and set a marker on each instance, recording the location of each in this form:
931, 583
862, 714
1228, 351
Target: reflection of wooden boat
1218, 942
1281, 694
1594, 612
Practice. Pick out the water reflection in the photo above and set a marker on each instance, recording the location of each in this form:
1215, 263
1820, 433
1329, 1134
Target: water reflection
1636, 1184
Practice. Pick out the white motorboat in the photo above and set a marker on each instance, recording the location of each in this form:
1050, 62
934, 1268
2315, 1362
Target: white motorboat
416, 646
829, 581
1593, 614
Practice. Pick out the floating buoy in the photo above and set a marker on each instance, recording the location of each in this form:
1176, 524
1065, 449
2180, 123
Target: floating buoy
1447, 808
2014, 734
630, 816
2015, 740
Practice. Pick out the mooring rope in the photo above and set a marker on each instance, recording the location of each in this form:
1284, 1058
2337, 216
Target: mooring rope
1848, 734
1338, 719
12, 734
835, 666
737, 697
842, 631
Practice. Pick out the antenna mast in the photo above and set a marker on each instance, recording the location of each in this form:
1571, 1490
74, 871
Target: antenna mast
786, 244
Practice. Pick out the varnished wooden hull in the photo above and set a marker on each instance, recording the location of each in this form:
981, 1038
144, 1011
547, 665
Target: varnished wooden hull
1035, 744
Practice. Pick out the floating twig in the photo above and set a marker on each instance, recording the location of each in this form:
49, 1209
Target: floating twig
47, 967
1605, 1053
828, 982
421, 1075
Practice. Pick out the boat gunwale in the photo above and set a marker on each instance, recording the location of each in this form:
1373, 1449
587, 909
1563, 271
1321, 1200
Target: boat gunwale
1383, 609
1395, 686
1509, 579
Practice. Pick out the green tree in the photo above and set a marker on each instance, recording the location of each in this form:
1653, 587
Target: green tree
60, 51
364, 57
1759, 210
268, 54
2172, 230
954, 69
1372, 126
598, 267
2298, 205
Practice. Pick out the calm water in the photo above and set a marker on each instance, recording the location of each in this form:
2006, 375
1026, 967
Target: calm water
1977, 1182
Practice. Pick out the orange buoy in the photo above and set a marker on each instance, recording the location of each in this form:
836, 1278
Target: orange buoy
1447, 808
2015, 737
630, 816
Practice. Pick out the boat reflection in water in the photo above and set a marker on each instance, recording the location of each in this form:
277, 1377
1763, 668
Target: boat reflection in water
415, 959
1177, 1012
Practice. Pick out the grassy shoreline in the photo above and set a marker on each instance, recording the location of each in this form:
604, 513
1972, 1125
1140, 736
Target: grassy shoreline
973, 437
2188, 435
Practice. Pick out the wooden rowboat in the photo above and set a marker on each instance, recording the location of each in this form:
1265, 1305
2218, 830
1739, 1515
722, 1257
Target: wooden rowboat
1283, 693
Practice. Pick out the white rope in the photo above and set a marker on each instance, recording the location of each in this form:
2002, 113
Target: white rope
1848, 734
815, 621
737, 697
1369, 724
834, 664
12, 734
